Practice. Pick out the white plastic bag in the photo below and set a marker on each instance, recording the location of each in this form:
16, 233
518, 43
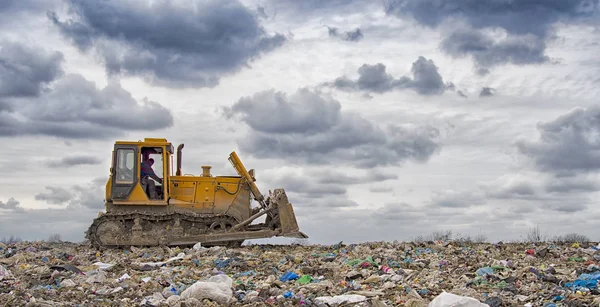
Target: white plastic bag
446, 299
217, 288
5, 273
339, 299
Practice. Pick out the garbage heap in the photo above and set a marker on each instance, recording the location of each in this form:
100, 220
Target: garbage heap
432, 274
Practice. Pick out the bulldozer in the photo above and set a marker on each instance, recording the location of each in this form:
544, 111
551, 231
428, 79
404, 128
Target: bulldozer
184, 209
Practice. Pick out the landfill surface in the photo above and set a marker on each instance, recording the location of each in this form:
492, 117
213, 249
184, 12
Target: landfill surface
432, 274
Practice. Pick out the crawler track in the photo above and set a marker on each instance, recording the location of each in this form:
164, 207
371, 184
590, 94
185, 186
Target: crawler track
156, 229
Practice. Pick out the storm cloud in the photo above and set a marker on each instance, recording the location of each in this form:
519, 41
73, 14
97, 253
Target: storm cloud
572, 185
38, 99
20, 11
567, 145
307, 184
308, 127
11, 205
487, 91
73, 161
54, 196
488, 51
456, 199
89, 195
530, 191
528, 25
27, 70
75, 108
517, 17
425, 79
351, 36
168, 44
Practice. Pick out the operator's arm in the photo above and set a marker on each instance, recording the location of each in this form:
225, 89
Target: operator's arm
153, 176
150, 173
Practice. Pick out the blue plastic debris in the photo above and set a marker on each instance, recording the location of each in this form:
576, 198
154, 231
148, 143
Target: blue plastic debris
289, 276
223, 263
485, 271
589, 281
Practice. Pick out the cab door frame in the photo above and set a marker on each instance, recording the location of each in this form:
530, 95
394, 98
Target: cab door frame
122, 184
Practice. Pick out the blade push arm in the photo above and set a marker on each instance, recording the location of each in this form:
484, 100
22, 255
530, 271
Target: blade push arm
241, 170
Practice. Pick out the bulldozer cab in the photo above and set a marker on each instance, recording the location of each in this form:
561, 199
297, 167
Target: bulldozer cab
133, 169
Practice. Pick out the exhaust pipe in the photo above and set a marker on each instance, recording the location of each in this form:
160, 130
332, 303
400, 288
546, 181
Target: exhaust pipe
179, 148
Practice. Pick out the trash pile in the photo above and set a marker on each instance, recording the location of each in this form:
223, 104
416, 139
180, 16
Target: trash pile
428, 274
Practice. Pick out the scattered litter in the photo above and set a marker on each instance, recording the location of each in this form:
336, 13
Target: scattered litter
378, 274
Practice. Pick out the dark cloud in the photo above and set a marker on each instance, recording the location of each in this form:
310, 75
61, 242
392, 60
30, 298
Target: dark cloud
528, 24
426, 80
302, 10
5, 106
381, 189
17, 11
566, 207
190, 45
6, 5
567, 145
487, 51
400, 212
521, 189
91, 195
75, 108
305, 186
311, 205
351, 36
261, 12
531, 193
275, 112
11, 205
55, 196
27, 70
486, 91
331, 176
571, 185
455, 199
289, 131
21, 5
322, 183
482, 71
516, 17
74, 161
461, 94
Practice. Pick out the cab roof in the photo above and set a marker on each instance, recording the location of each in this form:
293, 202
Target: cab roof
146, 141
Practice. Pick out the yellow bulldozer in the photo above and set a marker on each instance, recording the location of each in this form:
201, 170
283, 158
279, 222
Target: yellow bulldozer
181, 209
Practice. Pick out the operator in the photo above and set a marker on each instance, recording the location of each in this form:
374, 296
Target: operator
146, 173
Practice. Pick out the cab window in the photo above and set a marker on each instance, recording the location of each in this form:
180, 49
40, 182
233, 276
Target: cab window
125, 165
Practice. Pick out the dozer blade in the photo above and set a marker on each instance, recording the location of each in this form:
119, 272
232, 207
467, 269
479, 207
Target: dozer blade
287, 217
278, 200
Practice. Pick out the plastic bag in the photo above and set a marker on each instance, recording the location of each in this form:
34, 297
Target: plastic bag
446, 299
339, 299
5, 273
217, 288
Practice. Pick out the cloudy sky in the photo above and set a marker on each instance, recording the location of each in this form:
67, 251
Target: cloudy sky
382, 120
